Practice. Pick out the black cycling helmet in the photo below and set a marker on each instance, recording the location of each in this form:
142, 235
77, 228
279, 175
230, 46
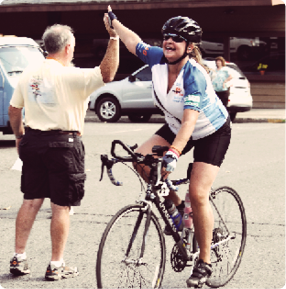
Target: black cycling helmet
184, 26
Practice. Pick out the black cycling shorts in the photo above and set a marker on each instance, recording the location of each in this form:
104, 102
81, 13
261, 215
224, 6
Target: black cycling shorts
210, 149
53, 167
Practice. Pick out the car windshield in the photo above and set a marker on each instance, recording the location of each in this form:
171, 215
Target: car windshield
236, 68
16, 59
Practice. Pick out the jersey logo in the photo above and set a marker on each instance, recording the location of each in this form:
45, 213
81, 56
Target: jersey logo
145, 50
177, 90
192, 100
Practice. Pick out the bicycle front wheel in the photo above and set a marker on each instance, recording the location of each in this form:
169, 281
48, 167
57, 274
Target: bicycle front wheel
229, 233
118, 260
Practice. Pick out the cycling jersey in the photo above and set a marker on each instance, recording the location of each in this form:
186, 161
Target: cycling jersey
191, 90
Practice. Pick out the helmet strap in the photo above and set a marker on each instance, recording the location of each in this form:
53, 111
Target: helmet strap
180, 58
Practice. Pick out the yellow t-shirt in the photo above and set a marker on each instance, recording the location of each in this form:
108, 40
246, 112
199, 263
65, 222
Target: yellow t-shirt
54, 96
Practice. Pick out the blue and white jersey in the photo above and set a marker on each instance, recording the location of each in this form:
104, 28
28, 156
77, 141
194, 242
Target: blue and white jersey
192, 90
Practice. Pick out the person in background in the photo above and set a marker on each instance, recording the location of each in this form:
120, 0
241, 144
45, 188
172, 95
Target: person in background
220, 80
195, 118
55, 96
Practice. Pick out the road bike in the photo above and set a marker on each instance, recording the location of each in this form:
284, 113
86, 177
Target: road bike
132, 251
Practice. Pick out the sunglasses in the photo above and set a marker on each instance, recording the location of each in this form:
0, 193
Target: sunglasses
175, 37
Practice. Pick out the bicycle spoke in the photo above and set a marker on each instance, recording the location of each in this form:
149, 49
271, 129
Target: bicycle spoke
229, 232
114, 268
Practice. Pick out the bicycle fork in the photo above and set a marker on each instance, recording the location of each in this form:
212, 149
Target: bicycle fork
148, 212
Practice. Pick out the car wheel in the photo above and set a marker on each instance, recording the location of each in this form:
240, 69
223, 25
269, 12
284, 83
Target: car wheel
108, 109
232, 115
139, 118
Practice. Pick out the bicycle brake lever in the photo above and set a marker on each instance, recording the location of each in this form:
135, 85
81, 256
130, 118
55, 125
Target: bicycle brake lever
105, 162
103, 158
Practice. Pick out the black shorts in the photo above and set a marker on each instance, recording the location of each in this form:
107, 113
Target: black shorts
223, 96
210, 149
53, 167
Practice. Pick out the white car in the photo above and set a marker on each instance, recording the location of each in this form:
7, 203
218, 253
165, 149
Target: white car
240, 98
130, 96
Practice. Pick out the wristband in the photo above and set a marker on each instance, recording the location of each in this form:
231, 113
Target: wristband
111, 17
174, 148
114, 38
19, 136
175, 152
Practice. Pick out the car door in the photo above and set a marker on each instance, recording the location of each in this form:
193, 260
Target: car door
1, 98
138, 92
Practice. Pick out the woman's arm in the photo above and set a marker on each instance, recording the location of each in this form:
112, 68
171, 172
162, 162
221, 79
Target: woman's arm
188, 124
228, 79
127, 36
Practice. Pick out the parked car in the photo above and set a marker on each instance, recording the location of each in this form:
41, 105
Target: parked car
244, 47
240, 98
130, 96
16, 53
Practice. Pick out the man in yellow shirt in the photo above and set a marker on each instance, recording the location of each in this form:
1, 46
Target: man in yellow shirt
55, 96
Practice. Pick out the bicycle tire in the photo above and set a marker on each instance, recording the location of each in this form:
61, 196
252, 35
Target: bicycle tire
111, 268
226, 258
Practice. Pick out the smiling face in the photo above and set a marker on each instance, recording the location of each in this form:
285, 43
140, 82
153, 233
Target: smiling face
173, 50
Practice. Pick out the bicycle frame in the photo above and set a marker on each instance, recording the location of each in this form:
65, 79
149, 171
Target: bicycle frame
153, 187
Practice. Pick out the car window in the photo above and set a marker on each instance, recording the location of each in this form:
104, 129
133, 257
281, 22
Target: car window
145, 74
16, 59
236, 68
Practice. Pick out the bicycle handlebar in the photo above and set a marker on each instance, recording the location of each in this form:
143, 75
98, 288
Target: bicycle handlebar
133, 157
130, 150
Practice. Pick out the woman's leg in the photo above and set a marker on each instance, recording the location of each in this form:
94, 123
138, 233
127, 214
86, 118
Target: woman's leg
146, 148
202, 178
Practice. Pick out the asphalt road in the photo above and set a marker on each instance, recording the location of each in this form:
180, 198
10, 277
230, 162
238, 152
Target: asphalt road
254, 166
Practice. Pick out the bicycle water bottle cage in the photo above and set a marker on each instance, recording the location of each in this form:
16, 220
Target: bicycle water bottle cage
159, 150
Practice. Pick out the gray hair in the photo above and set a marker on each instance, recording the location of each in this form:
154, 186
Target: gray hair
56, 37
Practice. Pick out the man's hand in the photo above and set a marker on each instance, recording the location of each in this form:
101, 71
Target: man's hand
110, 30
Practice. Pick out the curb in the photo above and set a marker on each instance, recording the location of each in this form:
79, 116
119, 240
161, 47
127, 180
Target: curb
161, 120
259, 120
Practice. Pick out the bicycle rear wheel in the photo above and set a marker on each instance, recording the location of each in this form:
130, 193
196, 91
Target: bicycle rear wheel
118, 263
229, 226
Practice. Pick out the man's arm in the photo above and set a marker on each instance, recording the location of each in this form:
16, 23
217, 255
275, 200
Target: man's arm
110, 61
16, 122
127, 36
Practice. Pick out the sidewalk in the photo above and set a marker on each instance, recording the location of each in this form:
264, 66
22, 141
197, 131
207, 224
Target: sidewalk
254, 115
261, 115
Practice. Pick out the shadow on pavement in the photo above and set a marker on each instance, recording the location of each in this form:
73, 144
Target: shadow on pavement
7, 143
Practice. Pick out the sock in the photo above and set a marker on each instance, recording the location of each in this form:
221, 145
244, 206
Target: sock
58, 263
23, 256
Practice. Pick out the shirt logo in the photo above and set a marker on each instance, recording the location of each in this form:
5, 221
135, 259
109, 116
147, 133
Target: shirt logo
177, 90
192, 100
35, 83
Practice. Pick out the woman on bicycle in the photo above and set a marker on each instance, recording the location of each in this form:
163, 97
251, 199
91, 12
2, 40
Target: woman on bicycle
195, 117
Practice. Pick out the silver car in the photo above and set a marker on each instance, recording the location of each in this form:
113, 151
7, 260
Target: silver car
130, 96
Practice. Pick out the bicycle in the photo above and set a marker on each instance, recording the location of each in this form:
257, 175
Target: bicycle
132, 252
